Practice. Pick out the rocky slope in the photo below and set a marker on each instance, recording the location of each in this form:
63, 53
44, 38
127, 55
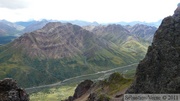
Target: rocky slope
9, 91
159, 71
142, 31
123, 38
114, 33
111, 88
81, 89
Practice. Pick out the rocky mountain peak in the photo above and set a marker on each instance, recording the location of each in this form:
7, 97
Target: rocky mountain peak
159, 71
55, 40
115, 28
52, 25
177, 12
81, 89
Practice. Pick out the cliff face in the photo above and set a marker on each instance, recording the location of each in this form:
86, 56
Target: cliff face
159, 71
81, 89
9, 91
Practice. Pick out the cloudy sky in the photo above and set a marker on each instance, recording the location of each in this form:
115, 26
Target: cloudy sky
102, 11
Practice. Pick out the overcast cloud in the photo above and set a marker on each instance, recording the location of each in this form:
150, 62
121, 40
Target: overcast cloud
13, 4
102, 11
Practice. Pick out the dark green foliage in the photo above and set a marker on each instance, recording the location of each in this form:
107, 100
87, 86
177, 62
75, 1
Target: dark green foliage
33, 71
115, 77
6, 39
103, 97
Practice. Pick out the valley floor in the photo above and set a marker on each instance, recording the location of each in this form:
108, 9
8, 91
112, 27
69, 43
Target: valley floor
62, 90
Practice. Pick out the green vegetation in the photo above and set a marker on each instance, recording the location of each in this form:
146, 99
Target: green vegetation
115, 83
105, 89
104, 97
6, 39
34, 71
54, 94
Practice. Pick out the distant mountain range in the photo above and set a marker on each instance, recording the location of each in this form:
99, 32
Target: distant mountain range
63, 50
155, 24
9, 30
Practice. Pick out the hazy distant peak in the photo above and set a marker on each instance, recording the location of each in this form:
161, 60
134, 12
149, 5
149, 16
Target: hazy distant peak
51, 25
113, 25
143, 25
54, 24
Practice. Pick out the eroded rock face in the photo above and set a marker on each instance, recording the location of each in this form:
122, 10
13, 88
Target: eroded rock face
81, 89
159, 71
9, 91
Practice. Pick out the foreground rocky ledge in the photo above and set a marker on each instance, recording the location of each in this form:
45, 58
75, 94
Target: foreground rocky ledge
9, 91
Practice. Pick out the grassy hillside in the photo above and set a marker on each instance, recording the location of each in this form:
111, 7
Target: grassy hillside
54, 94
29, 71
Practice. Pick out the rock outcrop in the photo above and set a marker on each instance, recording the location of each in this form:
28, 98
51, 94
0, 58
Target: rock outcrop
81, 89
159, 71
9, 91
110, 89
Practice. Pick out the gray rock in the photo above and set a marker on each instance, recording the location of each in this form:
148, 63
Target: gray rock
10, 92
159, 71
81, 89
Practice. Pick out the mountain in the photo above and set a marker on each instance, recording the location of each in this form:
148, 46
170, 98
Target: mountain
25, 23
159, 71
33, 25
124, 40
139, 30
9, 29
155, 24
81, 23
59, 51
143, 31
6, 39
